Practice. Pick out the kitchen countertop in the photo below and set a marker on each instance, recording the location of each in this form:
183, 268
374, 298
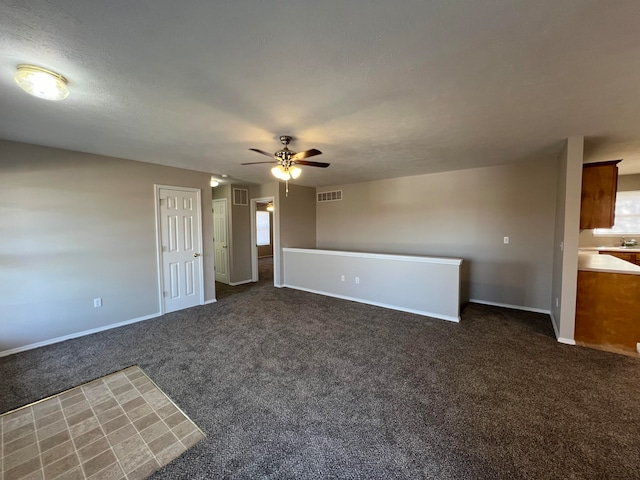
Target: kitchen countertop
635, 249
606, 264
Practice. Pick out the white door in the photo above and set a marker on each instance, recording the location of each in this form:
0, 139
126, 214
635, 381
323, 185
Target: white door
220, 240
181, 239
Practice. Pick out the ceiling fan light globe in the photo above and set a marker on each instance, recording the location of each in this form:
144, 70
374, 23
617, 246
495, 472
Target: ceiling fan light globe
277, 172
295, 172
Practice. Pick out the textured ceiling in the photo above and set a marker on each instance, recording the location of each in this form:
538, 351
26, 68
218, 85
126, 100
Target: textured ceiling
384, 89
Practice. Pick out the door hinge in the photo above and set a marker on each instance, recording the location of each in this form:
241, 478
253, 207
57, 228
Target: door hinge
165, 294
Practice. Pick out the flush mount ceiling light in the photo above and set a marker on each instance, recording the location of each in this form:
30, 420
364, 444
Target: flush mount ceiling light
270, 207
42, 83
214, 182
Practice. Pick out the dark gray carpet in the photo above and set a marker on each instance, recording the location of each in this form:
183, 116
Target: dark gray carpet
288, 384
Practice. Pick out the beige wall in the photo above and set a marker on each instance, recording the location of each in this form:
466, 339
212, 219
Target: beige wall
239, 234
241, 238
298, 217
462, 214
565, 264
76, 227
628, 183
297, 214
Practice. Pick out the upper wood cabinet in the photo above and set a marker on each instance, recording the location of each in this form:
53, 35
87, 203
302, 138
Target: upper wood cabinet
599, 186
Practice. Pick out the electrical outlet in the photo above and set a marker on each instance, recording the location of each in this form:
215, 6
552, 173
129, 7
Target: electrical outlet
506, 240
97, 302
357, 279
342, 278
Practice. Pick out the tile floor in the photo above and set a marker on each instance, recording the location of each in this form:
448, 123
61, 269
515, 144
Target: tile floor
116, 427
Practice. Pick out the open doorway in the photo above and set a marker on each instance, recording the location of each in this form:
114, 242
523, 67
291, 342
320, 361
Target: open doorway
264, 240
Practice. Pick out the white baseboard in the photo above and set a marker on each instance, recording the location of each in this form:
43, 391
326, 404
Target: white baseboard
554, 322
235, 284
210, 301
76, 335
507, 305
378, 304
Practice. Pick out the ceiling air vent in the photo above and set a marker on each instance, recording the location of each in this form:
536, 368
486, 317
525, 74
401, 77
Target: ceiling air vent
241, 196
330, 196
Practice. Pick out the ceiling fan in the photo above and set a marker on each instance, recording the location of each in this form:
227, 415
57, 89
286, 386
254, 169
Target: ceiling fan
287, 161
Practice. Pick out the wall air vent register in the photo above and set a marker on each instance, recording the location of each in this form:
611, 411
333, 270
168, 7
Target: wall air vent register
241, 196
330, 196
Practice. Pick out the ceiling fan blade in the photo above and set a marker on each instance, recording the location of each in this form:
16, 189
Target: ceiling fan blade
256, 163
312, 164
263, 152
307, 154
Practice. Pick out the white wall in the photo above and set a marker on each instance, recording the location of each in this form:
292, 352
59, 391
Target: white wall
463, 214
76, 227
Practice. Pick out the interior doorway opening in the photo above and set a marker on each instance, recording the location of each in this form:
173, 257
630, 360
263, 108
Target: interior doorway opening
265, 241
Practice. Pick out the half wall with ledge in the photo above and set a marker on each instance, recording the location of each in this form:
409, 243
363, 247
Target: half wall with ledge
427, 286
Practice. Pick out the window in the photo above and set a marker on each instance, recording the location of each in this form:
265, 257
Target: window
262, 228
627, 216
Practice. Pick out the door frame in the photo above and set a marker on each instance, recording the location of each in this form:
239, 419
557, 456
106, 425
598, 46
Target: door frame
198, 193
276, 239
226, 209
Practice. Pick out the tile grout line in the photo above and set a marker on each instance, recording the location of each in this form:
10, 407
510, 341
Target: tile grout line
154, 411
186, 417
162, 419
139, 374
35, 430
173, 403
73, 443
103, 431
2, 446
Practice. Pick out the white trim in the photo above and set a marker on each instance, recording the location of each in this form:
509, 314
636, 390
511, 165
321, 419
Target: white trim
198, 193
208, 302
77, 334
227, 214
234, 284
556, 329
508, 305
156, 195
377, 304
379, 256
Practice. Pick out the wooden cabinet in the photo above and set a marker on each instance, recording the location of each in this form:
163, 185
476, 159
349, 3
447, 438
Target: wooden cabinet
632, 257
599, 186
607, 311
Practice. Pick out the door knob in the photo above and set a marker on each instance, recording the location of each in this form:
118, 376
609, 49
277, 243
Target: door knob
196, 254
